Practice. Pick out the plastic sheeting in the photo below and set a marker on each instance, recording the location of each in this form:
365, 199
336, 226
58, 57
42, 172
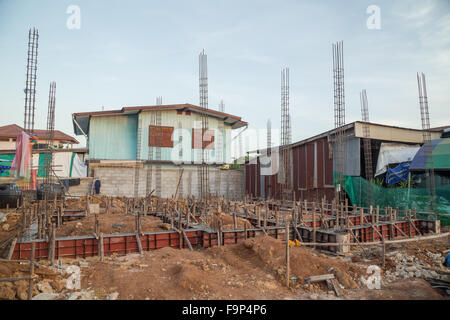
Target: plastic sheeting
78, 168
21, 165
65, 165
394, 153
440, 153
352, 160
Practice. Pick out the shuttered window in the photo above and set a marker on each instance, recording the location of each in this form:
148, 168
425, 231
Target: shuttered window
160, 136
208, 139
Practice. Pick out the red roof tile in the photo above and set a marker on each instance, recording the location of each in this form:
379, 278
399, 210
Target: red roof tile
12, 130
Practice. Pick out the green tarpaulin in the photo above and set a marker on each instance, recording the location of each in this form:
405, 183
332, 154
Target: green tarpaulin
9, 157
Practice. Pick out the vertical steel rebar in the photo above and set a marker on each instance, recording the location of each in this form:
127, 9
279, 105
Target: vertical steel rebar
339, 118
427, 147
367, 146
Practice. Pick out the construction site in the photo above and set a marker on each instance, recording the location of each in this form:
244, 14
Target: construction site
155, 208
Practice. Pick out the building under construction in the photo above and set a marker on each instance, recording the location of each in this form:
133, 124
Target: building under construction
140, 149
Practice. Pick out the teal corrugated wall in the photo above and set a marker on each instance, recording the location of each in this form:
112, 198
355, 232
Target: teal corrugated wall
113, 137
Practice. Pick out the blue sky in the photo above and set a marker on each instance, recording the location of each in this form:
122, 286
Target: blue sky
129, 52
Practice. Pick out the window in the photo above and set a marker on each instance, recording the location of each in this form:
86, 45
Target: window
208, 139
159, 136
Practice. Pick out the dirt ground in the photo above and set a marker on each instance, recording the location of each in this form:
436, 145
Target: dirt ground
109, 224
250, 270
8, 227
118, 203
254, 269
227, 222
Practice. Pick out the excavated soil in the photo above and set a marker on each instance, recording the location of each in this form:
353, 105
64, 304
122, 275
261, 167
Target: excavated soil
8, 227
18, 290
118, 204
227, 222
253, 269
109, 224
250, 270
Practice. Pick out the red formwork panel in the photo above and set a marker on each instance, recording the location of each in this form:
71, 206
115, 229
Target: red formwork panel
22, 251
232, 237
81, 248
195, 238
209, 239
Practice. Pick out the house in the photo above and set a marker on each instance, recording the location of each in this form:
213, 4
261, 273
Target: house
134, 150
68, 161
9, 133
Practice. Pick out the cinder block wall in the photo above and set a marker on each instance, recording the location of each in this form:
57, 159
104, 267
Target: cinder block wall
119, 180
83, 188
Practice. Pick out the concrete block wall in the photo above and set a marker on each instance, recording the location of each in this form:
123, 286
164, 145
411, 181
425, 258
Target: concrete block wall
83, 188
118, 180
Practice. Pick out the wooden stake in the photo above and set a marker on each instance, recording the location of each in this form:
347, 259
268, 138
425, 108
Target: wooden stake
30, 282
219, 239
245, 230
11, 249
314, 223
410, 223
52, 245
265, 220
187, 239
259, 216
287, 253
139, 243
100, 243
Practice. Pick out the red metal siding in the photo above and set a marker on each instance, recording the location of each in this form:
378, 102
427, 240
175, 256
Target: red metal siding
303, 174
320, 164
301, 168
328, 165
310, 165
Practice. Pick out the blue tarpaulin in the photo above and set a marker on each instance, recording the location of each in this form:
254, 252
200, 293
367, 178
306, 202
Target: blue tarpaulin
4, 168
397, 174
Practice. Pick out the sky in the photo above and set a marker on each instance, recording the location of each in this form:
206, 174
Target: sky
126, 53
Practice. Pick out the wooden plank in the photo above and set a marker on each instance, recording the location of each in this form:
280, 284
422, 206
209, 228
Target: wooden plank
139, 243
11, 248
322, 277
187, 239
332, 284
